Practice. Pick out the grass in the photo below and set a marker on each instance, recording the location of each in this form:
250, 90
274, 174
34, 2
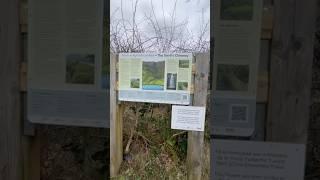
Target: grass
157, 151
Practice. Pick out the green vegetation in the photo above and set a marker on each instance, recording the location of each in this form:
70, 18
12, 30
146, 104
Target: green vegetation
153, 73
236, 9
80, 69
157, 152
182, 86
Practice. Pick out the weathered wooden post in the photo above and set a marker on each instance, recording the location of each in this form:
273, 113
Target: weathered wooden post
291, 68
11, 163
116, 122
196, 139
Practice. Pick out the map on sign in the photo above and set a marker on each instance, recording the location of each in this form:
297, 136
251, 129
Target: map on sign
155, 78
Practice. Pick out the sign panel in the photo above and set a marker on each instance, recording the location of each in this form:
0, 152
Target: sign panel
155, 78
189, 118
67, 79
243, 160
237, 29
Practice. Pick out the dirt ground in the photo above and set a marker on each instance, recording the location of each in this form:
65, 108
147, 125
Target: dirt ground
69, 153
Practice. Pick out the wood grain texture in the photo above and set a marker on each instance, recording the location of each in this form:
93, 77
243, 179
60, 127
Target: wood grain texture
267, 21
290, 70
10, 134
196, 139
31, 157
116, 122
263, 72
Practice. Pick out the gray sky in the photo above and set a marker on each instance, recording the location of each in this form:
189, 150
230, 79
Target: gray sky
195, 12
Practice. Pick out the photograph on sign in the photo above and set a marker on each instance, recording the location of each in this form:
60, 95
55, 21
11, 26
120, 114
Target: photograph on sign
80, 69
190, 118
155, 78
67, 72
231, 77
237, 10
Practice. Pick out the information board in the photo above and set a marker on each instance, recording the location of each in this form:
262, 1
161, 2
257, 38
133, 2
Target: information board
67, 79
237, 31
155, 78
243, 160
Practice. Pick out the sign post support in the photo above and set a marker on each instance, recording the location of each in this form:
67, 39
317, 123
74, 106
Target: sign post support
195, 139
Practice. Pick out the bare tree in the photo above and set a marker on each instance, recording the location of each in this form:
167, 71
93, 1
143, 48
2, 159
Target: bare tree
163, 34
166, 34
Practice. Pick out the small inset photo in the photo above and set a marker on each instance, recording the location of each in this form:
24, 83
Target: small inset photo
80, 69
183, 63
172, 81
232, 77
183, 86
135, 83
236, 10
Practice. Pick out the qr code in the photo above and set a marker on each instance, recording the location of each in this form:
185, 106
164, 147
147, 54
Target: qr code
239, 113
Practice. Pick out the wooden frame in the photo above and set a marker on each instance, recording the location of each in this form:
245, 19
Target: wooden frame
195, 139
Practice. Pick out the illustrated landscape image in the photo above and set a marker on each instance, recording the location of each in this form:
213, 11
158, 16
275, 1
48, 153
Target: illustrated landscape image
153, 75
171, 81
237, 10
80, 69
183, 86
232, 77
135, 83
183, 63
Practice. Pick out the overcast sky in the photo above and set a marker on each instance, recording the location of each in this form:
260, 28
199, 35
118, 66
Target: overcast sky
195, 12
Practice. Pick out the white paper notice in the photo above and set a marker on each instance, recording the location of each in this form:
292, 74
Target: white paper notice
189, 118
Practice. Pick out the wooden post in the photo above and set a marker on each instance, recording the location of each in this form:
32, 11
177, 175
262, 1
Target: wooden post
11, 164
291, 67
195, 139
31, 157
116, 122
